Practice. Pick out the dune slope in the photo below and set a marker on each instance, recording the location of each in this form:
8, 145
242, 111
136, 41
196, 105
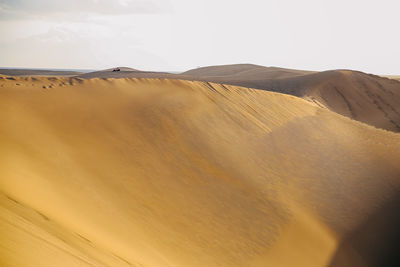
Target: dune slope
394, 77
364, 97
124, 72
244, 72
367, 98
150, 172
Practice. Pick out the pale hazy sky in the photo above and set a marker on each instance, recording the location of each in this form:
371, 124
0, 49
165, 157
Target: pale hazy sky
182, 34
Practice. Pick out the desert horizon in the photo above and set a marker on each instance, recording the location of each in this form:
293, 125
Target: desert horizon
25, 70
157, 169
182, 133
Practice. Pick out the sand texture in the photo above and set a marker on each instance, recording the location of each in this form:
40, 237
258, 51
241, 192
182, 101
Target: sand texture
161, 172
364, 97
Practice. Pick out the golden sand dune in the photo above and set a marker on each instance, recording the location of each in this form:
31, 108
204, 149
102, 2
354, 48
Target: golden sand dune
150, 172
364, 97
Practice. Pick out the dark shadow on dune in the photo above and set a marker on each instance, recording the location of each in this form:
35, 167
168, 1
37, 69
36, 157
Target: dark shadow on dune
374, 243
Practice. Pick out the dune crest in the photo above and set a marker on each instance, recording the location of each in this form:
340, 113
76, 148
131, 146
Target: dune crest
364, 97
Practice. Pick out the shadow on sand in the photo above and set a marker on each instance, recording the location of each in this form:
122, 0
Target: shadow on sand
376, 242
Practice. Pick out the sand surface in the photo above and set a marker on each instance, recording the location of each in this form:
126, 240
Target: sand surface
364, 97
158, 172
395, 77
244, 71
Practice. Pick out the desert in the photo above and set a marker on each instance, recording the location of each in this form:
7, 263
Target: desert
212, 133
171, 172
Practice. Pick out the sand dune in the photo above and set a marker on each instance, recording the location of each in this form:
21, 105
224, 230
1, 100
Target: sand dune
29, 238
124, 72
394, 77
158, 172
367, 98
364, 97
244, 71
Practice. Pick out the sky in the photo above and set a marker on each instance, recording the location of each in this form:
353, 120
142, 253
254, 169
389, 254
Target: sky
177, 35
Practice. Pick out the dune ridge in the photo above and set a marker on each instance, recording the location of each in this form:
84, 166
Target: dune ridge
364, 97
247, 71
160, 172
394, 77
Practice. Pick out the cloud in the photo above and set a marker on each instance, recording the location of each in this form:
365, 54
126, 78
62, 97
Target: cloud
25, 9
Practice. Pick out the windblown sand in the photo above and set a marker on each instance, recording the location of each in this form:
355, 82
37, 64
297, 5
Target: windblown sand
154, 172
364, 97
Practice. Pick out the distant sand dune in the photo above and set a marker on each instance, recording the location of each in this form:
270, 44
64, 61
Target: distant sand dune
367, 98
364, 97
158, 172
395, 77
247, 71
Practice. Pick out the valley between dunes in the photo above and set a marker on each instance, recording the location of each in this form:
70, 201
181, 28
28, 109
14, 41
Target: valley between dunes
162, 172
